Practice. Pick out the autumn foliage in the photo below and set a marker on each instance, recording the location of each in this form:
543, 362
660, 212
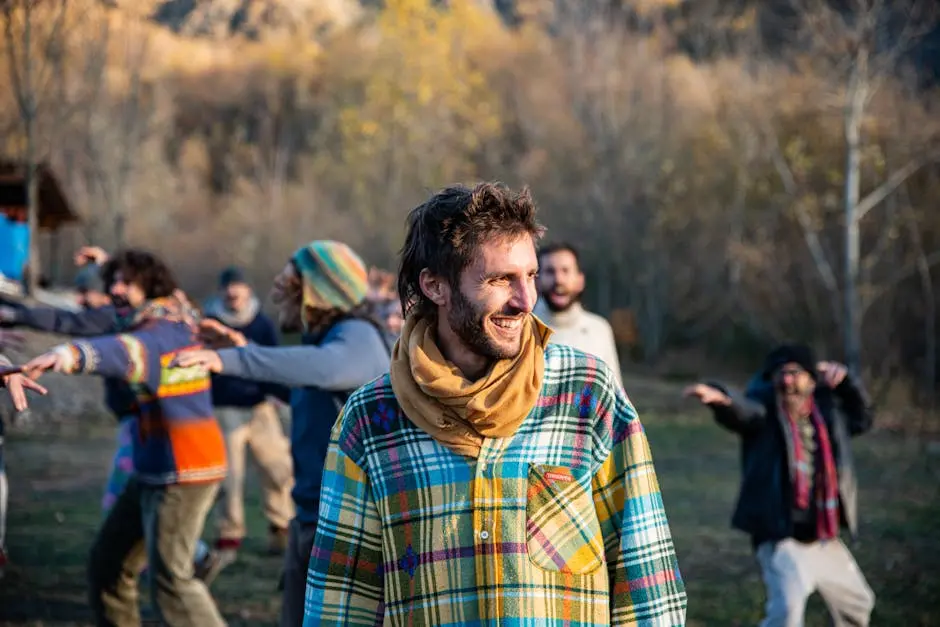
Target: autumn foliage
701, 188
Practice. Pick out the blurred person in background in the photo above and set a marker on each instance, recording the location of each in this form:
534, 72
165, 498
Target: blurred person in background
385, 302
101, 315
178, 449
248, 419
322, 292
390, 313
98, 316
560, 285
799, 487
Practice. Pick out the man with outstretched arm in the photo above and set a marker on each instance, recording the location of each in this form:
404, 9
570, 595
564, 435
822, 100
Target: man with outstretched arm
799, 487
322, 292
178, 451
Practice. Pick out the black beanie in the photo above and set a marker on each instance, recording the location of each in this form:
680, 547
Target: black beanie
232, 274
89, 279
799, 354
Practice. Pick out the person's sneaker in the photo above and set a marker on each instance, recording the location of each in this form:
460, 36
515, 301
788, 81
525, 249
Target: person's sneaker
277, 540
209, 567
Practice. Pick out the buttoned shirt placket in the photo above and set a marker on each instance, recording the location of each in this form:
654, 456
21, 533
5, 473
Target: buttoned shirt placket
486, 522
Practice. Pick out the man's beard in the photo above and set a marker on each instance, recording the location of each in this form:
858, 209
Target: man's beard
120, 303
469, 325
289, 322
795, 400
573, 299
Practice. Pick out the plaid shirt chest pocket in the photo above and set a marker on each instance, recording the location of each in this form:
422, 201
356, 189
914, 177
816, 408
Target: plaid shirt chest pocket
562, 530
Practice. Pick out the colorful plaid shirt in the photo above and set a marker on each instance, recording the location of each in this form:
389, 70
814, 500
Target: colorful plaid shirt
561, 524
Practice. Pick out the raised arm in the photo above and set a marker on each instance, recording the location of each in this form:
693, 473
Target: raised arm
87, 323
856, 404
646, 588
335, 366
733, 411
344, 579
134, 357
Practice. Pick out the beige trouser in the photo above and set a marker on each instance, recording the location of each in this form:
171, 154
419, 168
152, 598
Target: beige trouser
258, 428
793, 570
158, 526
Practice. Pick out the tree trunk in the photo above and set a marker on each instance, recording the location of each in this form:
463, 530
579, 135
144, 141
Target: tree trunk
28, 99
854, 112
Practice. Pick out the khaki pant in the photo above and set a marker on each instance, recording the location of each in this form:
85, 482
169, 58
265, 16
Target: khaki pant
793, 570
260, 430
158, 526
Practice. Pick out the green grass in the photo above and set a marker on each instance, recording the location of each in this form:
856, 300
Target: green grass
55, 511
898, 549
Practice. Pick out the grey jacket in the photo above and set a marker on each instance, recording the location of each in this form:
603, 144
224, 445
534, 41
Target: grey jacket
323, 372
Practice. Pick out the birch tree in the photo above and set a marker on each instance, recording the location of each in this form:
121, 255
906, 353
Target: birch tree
863, 43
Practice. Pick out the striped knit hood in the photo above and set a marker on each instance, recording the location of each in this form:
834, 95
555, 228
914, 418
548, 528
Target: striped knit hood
334, 277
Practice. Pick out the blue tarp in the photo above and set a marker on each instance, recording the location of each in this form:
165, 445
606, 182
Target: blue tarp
14, 248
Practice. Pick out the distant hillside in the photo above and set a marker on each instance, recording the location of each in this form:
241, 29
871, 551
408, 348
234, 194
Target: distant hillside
701, 29
253, 19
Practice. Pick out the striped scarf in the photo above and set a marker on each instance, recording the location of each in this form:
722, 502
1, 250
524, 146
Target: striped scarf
827, 479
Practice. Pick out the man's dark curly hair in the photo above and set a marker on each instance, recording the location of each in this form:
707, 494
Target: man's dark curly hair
143, 269
445, 233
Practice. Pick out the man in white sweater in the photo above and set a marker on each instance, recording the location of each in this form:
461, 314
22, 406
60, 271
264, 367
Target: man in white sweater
560, 286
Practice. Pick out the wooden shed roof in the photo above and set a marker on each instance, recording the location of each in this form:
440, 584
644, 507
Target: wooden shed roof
54, 207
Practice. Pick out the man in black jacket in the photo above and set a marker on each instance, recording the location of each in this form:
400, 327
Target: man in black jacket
799, 485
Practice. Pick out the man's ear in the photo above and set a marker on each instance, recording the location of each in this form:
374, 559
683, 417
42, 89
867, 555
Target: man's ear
435, 288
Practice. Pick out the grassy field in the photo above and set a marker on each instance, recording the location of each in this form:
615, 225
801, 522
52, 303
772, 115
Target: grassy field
56, 484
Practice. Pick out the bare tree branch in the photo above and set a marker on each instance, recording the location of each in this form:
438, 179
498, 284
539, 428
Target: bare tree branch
16, 71
891, 183
52, 48
822, 264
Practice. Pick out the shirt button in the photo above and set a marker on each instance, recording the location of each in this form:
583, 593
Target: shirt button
484, 534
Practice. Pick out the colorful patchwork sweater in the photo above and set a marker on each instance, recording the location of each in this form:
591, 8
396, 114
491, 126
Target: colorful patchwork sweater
561, 524
176, 438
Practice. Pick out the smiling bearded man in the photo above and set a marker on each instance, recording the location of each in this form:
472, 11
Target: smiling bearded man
489, 478
561, 284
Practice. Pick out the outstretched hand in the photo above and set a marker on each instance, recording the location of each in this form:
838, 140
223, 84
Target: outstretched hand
216, 335
36, 366
707, 395
90, 254
207, 359
17, 385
